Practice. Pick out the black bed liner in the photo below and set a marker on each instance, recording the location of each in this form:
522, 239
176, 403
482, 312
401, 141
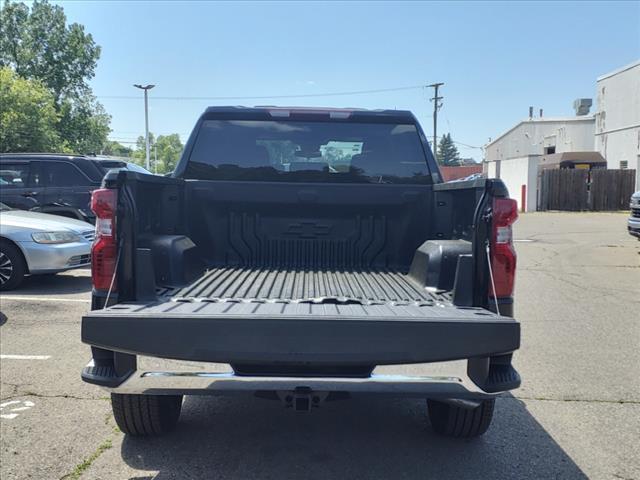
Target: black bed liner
298, 285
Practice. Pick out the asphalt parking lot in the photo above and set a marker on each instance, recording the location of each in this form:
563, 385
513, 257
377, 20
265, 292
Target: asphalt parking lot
577, 414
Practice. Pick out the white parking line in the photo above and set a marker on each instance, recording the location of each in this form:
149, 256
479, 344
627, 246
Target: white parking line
45, 299
10, 416
25, 357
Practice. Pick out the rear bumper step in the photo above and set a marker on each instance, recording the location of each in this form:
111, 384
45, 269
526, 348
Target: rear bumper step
104, 375
317, 334
203, 383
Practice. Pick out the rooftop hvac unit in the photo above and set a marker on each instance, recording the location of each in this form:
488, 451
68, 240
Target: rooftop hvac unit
582, 106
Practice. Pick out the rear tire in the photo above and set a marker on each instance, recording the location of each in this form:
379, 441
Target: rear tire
12, 266
458, 422
146, 415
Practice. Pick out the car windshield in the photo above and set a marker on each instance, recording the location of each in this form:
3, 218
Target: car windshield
308, 151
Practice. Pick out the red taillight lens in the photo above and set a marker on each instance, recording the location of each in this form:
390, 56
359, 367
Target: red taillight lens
503, 255
103, 202
104, 251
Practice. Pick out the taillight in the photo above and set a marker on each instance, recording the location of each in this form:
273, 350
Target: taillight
503, 255
104, 251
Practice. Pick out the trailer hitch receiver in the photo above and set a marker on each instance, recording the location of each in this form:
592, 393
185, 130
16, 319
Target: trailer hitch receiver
302, 399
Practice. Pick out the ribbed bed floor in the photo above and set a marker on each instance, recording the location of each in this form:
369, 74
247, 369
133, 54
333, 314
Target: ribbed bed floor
300, 285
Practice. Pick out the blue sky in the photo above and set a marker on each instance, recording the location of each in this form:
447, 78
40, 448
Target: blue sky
495, 58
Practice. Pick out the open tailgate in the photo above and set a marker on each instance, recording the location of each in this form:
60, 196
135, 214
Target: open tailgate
306, 332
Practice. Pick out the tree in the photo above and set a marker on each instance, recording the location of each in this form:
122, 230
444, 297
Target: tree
168, 149
38, 45
139, 154
448, 154
84, 125
27, 115
116, 149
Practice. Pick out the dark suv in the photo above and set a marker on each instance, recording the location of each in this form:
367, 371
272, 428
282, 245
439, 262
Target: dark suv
54, 183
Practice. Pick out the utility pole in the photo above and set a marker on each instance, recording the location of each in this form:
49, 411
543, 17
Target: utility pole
146, 89
437, 104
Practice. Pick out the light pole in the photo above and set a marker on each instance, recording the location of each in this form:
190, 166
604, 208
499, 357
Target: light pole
146, 88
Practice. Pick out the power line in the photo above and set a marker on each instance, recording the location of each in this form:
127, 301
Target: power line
128, 133
269, 97
465, 145
456, 142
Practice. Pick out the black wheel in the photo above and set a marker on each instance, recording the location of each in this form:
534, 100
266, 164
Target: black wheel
12, 266
455, 421
145, 415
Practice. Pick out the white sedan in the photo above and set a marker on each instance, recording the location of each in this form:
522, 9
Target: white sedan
33, 243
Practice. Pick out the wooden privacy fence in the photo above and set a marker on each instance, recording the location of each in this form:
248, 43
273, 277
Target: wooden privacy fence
577, 189
564, 189
612, 189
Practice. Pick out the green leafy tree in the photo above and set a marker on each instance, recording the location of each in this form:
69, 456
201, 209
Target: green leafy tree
84, 125
139, 154
115, 149
167, 149
27, 115
448, 154
38, 44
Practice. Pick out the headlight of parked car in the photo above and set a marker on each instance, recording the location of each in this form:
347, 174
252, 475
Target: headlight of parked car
55, 237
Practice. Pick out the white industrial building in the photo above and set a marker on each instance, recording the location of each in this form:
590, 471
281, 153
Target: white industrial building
515, 156
610, 137
617, 128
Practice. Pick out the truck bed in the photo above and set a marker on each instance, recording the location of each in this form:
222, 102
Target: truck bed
295, 277
313, 286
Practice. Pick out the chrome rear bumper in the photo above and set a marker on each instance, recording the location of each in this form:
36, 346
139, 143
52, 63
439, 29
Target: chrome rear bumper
217, 383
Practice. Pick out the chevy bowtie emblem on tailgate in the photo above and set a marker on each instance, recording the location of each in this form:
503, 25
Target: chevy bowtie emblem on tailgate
307, 229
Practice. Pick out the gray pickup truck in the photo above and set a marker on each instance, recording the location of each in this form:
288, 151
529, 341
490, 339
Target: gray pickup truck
310, 251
